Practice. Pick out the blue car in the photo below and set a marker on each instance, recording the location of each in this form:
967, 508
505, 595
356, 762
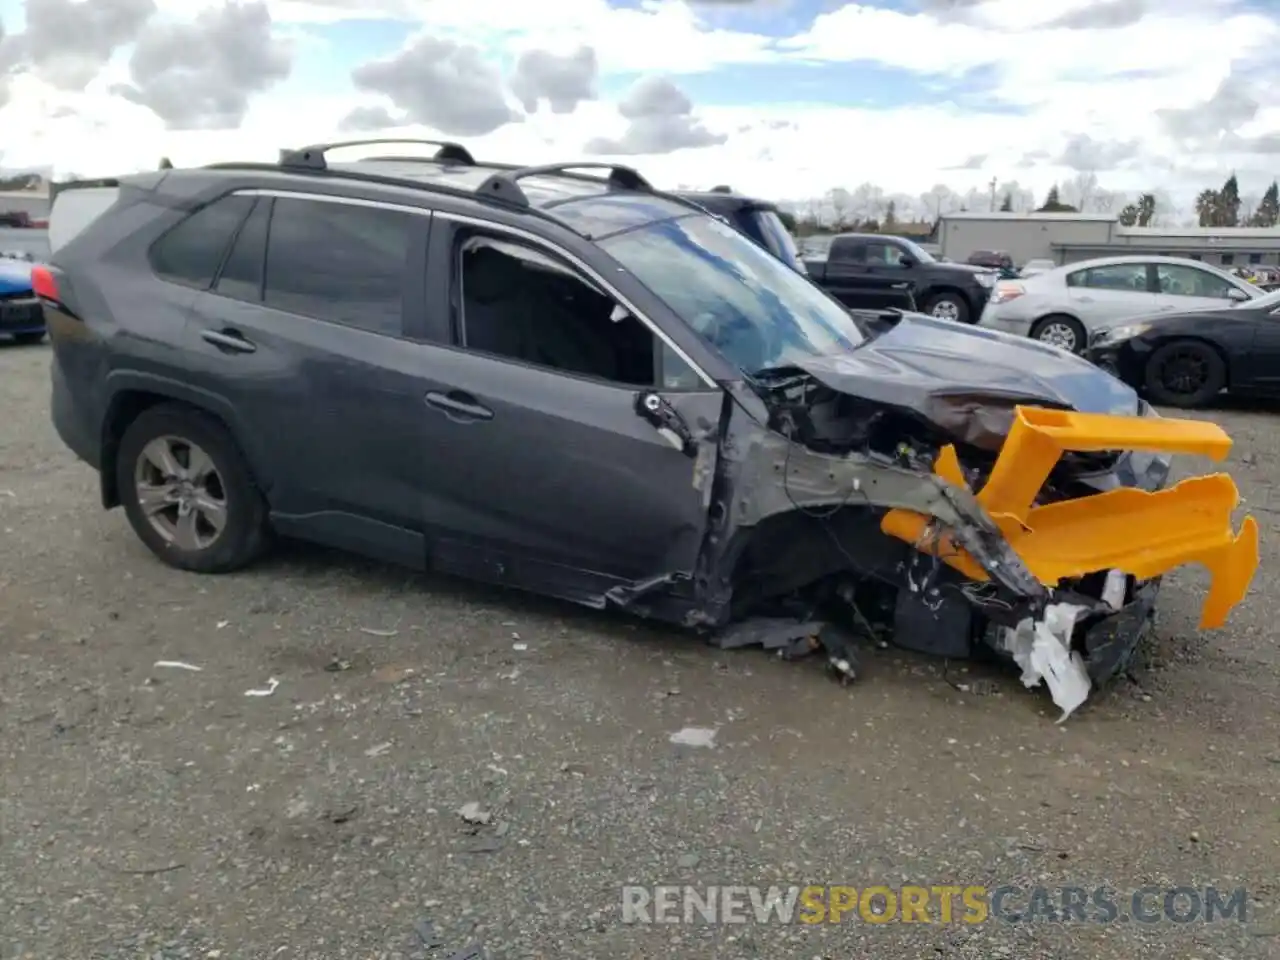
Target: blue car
20, 315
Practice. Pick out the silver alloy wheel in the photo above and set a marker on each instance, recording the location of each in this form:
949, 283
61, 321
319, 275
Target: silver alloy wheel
945, 310
181, 493
1059, 335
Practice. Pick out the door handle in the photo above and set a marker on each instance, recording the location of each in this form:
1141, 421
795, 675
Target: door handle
230, 341
459, 406
1085, 299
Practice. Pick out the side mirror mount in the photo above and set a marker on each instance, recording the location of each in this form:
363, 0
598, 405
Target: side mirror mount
1236, 295
906, 260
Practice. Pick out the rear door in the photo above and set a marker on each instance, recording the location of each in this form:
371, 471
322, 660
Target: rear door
1181, 288
551, 470
890, 280
309, 334
1105, 295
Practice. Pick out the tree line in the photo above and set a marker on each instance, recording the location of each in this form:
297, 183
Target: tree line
1214, 208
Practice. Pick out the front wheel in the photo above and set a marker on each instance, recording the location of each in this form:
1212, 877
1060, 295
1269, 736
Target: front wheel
948, 306
188, 492
1185, 373
1066, 333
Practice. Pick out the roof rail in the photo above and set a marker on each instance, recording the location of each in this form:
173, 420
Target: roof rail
313, 157
505, 186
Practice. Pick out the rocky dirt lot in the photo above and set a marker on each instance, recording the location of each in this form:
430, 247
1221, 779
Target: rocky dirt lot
160, 813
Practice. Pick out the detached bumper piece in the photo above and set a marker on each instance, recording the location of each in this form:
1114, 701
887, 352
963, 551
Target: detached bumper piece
1138, 533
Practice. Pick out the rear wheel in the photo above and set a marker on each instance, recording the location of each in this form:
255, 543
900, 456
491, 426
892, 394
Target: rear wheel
1061, 331
188, 492
1185, 373
948, 306
26, 339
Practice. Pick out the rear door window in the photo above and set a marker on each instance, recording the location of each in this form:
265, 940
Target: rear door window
191, 252
339, 262
1126, 277
848, 251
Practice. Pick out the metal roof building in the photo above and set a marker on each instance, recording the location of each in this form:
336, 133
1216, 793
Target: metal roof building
1069, 237
34, 203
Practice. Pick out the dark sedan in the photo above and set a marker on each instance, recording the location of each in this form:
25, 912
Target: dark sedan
1187, 359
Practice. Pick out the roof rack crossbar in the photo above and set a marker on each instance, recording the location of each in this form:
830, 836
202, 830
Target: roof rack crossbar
506, 187
313, 157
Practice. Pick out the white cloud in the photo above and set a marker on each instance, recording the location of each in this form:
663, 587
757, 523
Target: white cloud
1055, 85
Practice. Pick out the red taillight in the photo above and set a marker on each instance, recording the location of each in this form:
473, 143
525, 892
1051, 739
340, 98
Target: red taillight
43, 284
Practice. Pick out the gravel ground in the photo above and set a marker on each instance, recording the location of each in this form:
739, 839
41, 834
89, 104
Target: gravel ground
161, 813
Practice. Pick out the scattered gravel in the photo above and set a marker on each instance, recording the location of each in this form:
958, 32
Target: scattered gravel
152, 811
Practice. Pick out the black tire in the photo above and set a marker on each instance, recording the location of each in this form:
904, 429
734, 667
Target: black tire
1060, 328
28, 339
1185, 373
243, 537
954, 307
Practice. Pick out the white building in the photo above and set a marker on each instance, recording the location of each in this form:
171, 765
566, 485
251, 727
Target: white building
1068, 237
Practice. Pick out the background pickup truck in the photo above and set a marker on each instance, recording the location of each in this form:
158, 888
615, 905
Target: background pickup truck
870, 271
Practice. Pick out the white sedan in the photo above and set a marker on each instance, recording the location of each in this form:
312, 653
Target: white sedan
1066, 306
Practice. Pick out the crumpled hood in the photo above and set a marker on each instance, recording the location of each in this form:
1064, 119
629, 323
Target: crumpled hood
15, 276
937, 368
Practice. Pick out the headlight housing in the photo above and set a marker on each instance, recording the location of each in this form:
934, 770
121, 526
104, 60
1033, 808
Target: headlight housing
987, 280
1127, 332
1006, 291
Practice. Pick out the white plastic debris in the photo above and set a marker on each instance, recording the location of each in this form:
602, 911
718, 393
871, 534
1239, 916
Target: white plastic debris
1115, 588
520, 646
176, 665
1042, 648
374, 632
378, 750
694, 737
266, 691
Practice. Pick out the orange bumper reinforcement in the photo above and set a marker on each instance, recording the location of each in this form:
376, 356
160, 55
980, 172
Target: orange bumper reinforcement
1144, 534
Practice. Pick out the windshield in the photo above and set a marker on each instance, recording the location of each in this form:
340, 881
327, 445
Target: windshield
1268, 301
777, 237
749, 305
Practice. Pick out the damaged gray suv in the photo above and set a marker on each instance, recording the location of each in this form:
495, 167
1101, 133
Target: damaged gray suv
564, 382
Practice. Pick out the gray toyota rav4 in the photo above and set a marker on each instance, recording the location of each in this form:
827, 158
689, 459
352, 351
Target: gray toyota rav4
559, 379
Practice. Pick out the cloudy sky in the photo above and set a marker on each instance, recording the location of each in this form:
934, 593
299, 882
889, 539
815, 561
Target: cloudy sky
782, 97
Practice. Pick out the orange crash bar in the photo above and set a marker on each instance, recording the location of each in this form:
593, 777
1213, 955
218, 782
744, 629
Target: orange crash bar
1142, 533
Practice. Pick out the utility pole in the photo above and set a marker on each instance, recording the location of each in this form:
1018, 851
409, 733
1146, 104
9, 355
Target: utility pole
994, 183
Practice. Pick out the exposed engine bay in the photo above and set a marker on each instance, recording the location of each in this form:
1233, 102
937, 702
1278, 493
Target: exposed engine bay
849, 520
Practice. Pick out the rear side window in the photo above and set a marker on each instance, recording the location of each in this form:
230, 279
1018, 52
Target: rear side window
339, 262
191, 252
241, 276
849, 251
1127, 277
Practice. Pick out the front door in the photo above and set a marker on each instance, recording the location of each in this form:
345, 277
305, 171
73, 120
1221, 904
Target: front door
1182, 288
560, 437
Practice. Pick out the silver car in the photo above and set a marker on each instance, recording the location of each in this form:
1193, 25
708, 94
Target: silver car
1068, 305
